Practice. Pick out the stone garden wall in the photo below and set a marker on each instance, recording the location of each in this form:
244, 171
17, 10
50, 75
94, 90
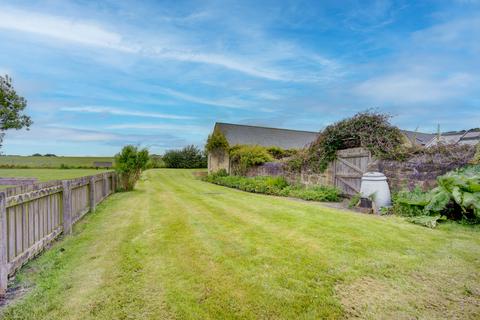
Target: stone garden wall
306, 177
422, 169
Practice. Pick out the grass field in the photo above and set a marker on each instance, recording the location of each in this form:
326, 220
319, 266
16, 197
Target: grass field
180, 248
48, 174
51, 162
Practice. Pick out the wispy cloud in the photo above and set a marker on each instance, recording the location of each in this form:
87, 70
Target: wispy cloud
122, 112
161, 126
61, 28
414, 88
87, 33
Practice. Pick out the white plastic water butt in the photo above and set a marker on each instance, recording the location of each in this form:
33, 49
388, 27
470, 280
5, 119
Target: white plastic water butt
375, 187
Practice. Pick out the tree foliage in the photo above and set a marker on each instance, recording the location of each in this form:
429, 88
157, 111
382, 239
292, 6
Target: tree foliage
129, 164
216, 141
369, 129
12, 106
188, 157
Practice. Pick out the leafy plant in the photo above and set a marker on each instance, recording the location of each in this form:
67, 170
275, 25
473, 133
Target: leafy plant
354, 200
367, 129
457, 197
129, 164
245, 156
216, 141
188, 157
410, 203
461, 187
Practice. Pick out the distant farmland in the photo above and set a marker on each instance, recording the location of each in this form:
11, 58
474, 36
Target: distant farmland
50, 162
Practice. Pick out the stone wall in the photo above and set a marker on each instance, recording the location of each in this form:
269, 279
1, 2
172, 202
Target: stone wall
422, 169
306, 177
218, 160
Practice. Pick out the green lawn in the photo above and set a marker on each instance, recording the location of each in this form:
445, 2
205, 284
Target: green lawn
180, 248
51, 162
48, 174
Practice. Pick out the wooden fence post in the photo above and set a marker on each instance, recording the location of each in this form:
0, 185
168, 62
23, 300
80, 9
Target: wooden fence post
67, 207
3, 245
104, 185
114, 182
92, 194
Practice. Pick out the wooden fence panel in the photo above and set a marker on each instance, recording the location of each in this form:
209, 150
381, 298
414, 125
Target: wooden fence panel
349, 168
80, 202
32, 216
99, 190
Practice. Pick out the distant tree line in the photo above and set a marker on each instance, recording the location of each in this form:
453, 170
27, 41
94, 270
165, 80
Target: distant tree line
188, 157
45, 155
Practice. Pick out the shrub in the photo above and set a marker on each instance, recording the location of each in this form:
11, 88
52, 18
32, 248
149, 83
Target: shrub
274, 186
189, 157
367, 129
216, 142
129, 164
279, 153
317, 193
245, 156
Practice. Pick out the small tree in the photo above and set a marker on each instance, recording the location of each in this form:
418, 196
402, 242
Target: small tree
11, 107
129, 164
216, 142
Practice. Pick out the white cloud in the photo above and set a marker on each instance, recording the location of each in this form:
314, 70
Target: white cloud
414, 88
81, 32
261, 60
120, 112
227, 103
160, 126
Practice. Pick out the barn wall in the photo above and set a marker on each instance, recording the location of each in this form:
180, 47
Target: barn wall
218, 160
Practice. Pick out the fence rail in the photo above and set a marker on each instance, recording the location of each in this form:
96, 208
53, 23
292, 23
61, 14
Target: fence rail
32, 216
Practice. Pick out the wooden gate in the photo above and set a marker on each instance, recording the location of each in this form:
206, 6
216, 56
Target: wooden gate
348, 169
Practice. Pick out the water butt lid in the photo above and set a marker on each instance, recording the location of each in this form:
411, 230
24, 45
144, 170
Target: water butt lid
373, 176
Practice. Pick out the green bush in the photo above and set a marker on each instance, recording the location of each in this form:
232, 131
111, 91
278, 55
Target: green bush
129, 164
279, 153
190, 157
246, 156
367, 129
216, 141
275, 186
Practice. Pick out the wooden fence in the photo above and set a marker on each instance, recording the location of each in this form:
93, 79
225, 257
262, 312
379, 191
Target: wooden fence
32, 216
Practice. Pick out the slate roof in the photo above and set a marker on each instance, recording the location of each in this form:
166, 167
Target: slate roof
265, 136
419, 138
296, 139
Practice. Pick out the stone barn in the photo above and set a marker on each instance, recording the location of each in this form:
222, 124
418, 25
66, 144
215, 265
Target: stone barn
238, 134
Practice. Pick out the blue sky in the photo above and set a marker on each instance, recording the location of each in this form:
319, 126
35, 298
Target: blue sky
99, 75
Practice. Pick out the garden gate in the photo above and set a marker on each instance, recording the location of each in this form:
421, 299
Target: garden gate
348, 169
